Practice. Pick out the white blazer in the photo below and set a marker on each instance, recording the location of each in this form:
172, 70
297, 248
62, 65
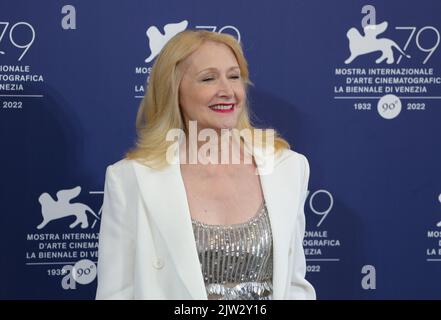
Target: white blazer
147, 249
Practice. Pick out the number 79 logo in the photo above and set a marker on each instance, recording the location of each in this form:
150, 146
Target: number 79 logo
25, 46
428, 50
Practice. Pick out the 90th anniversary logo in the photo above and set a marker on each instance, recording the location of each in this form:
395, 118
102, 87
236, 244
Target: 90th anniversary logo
389, 85
72, 253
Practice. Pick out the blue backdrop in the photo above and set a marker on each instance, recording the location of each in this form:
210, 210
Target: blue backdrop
71, 78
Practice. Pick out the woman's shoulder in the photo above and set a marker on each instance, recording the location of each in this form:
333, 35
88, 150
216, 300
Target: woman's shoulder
122, 164
292, 156
121, 168
296, 163
127, 168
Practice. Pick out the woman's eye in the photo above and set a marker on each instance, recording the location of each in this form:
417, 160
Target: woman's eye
207, 79
235, 77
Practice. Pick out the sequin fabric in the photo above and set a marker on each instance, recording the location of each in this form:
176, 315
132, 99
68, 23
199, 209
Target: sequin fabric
236, 260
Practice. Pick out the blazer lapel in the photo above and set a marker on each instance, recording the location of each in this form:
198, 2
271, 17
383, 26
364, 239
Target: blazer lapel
164, 194
281, 188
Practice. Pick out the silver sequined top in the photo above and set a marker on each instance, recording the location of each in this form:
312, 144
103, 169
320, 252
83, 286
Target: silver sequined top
237, 260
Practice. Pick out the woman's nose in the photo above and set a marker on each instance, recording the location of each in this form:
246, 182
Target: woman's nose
225, 88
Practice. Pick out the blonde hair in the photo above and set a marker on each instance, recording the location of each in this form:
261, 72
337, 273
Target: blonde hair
159, 110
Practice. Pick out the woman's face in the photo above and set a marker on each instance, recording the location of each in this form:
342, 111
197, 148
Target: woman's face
211, 91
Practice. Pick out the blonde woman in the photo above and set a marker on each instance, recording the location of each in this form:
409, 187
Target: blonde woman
191, 218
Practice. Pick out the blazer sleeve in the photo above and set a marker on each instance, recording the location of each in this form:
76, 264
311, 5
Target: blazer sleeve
300, 288
116, 241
